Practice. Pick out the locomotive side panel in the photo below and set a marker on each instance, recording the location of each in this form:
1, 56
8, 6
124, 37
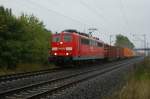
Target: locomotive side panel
89, 49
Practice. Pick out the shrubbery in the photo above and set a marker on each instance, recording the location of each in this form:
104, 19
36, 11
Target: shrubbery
23, 39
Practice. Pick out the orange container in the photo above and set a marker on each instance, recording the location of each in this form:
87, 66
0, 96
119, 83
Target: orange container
128, 52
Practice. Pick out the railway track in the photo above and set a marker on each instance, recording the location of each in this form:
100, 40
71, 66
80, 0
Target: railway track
16, 76
52, 86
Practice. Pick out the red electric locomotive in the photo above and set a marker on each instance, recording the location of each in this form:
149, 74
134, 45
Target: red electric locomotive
73, 46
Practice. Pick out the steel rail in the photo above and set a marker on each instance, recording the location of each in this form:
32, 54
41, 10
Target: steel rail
30, 87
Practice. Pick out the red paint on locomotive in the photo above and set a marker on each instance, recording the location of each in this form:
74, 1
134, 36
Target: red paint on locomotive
76, 46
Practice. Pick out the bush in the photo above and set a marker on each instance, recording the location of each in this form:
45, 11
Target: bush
23, 39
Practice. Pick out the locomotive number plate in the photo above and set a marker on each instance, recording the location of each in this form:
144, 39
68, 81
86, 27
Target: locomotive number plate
61, 48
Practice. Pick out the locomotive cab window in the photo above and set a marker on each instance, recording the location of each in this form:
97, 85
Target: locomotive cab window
67, 38
93, 43
56, 38
85, 41
100, 44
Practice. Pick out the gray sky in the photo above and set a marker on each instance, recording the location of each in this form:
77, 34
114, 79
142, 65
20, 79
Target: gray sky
108, 16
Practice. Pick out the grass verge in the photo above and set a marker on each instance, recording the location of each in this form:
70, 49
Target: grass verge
138, 85
20, 68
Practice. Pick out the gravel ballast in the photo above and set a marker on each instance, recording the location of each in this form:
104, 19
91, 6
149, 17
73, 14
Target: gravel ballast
97, 87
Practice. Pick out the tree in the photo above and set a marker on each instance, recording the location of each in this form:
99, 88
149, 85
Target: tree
36, 39
9, 37
123, 41
23, 39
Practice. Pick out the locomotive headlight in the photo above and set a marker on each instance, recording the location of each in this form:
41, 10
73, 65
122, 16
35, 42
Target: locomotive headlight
61, 42
69, 48
55, 54
54, 48
67, 53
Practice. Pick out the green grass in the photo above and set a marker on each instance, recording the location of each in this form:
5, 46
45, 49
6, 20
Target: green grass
138, 85
25, 68
143, 70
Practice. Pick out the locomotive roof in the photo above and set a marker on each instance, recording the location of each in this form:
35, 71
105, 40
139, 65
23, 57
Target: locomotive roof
70, 30
81, 33
75, 31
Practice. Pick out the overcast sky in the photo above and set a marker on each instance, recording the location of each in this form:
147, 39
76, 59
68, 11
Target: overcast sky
110, 17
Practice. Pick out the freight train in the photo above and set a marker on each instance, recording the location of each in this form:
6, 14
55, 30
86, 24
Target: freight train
71, 46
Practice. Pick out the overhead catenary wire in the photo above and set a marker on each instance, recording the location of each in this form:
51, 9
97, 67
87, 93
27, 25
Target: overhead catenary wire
58, 13
101, 26
124, 16
92, 10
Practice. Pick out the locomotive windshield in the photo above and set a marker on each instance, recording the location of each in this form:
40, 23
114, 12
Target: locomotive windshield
67, 38
56, 38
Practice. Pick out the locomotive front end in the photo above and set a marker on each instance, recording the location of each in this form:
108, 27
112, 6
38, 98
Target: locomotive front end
62, 48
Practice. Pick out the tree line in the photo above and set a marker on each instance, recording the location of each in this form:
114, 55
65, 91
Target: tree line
23, 39
123, 41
